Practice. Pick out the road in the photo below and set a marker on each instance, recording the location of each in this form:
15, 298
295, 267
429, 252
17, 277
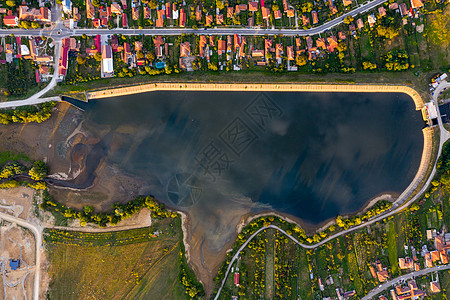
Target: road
65, 32
400, 204
389, 283
37, 231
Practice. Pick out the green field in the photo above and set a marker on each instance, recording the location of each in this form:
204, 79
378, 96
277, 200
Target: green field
392, 247
131, 264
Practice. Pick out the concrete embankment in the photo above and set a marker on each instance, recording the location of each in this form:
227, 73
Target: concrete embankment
279, 87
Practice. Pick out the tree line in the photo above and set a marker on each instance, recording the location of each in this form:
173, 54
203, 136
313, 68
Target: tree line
28, 113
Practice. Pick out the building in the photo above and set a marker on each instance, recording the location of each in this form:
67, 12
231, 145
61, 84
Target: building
107, 61
116, 9
63, 58
185, 49
219, 19
11, 20
90, 10
371, 19
347, 2
14, 264
360, 24
42, 14
382, 11
182, 21
416, 4
315, 17
403, 9
236, 279
435, 287
253, 6
277, 14
321, 287
67, 6
265, 13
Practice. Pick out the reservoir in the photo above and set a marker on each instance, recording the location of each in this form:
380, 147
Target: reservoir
222, 154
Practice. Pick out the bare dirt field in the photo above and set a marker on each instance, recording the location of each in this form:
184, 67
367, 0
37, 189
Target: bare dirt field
16, 201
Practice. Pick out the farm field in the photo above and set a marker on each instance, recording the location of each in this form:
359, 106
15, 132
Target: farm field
134, 264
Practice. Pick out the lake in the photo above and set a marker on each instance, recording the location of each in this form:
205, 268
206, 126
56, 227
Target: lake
311, 155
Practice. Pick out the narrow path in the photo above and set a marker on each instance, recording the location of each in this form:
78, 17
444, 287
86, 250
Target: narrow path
37, 231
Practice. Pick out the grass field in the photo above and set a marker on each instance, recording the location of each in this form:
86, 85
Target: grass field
392, 247
131, 264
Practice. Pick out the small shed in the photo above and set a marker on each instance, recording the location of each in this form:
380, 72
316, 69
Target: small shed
14, 264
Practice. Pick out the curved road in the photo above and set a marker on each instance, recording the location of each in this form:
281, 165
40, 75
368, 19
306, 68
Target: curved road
38, 237
400, 203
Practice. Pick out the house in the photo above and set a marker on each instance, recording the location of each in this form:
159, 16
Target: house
382, 11
382, 275
126, 53
236, 279
290, 53
135, 13
315, 17
416, 4
267, 46
3, 10
202, 45
116, 9
309, 42
298, 43
332, 7
360, 24
198, 14
124, 21
219, 19
320, 43
435, 287
11, 20
405, 263
175, 12
428, 260
229, 43
182, 21
208, 20
265, 13
147, 12
107, 61
240, 7
321, 287
444, 257
408, 292
96, 23
305, 20
221, 46
371, 19
14, 264
290, 13
277, 14
90, 10
382, 298
278, 52
341, 35
67, 6
158, 41
347, 2
42, 14
394, 6
372, 271
168, 10
242, 47
138, 45
161, 16
104, 22
416, 267
63, 57
253, 6
237, 41
403, 9
185, 49
230, 12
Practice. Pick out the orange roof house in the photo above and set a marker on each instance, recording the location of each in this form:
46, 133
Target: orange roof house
347, 2
135, 13
257, 53
320, 42
34, 14
298, 42
405, 263
382, 11
309, 42
435, 255
160, 20
435, 287
265, 13
253, 6
182, 20
277, 14
229, 43
198, 13
11, 20
96, 23
230, 12
315, 17
444, 257
185, 49
305, 20
290, 53
202, 44
372, 271
341, 35
267, 46
147, 12
290, 13
360, 24
416, 3
382, 276
219, 19
116, 9
221, 47
90, 10
428, 261
209, 19
278, 51
332, 41
332, 7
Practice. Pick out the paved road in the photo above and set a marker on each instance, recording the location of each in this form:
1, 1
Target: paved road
64, 32
399, 205
37, 231
389, 283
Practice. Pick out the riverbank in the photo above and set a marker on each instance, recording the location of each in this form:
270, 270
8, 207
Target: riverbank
262, 87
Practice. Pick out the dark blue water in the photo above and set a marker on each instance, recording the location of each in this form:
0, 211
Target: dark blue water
312, 155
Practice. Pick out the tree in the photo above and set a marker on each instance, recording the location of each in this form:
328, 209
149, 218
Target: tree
140, 55
348, 20
10, 3
341, 47
307, 7
153, 4
96, 3
150, 56
301, 60
219, 4
98, 56
38, 171
81, 60
275, 7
